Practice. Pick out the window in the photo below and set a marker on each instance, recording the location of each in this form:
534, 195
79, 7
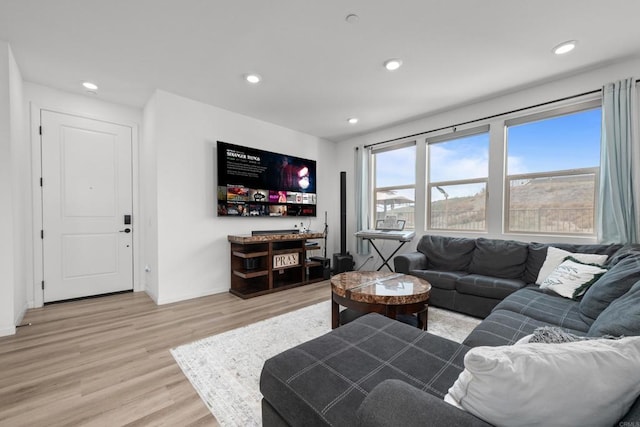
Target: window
553, 163
457, 181
394, 174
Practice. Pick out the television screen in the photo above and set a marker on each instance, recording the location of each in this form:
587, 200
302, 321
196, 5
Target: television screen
254, 182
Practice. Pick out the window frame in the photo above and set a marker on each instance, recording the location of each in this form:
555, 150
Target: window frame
430, 185
540, 116
372, 179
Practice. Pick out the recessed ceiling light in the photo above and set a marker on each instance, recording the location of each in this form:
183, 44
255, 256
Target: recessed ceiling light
392, 64
253, 78
565, 47
90, 86
352, 18
353, 120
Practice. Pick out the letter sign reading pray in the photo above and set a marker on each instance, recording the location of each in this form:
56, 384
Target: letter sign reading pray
285, 260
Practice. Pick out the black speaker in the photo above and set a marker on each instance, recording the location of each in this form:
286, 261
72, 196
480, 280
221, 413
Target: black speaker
343, 213
326, 265
342, 263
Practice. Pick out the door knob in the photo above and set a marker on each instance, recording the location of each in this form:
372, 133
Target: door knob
126, 230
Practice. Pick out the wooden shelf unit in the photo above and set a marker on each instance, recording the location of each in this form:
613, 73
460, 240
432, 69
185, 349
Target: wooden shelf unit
254, 271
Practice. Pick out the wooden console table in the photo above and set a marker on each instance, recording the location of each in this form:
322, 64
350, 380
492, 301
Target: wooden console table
273, 262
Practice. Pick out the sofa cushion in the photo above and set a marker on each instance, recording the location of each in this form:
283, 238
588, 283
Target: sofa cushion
396, 403
545, 307
447, 253
499, 258
440, 279
621, 317
613, 284
504, 327
527, 384
489, 287
324, 380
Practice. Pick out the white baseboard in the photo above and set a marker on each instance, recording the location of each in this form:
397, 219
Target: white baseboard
184, 297
20, 314
152, 295
7, 330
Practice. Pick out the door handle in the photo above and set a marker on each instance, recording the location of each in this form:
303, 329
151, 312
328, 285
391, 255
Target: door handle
126, 230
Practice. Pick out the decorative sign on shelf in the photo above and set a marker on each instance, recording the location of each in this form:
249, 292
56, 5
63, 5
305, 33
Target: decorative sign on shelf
286, 260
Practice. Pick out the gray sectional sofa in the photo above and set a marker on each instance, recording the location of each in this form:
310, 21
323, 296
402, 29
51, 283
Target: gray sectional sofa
473, 275
378, 372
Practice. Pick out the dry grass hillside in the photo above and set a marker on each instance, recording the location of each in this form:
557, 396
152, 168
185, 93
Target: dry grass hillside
541, 204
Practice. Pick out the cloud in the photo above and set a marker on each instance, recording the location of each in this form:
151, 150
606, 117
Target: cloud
396, 167
516, 165
466, 162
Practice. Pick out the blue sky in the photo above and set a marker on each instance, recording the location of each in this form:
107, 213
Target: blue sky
565, 142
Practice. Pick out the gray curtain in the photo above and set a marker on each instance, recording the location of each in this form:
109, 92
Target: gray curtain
362, 197
618, 204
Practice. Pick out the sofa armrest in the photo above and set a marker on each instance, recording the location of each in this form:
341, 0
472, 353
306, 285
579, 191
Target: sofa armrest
394, 402
404, 263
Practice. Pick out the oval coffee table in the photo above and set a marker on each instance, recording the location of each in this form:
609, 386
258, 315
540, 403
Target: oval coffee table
390, 294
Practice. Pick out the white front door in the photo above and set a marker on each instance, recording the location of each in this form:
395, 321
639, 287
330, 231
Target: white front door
86, 193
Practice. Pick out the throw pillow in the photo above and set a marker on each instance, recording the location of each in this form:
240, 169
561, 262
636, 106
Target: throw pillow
572, 278
555, 257
622, 317
612, 285
586, 383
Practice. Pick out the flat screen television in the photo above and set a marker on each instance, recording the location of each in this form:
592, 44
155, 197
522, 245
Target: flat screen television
254, 182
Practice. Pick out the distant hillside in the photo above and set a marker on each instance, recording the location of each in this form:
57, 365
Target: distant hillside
569, 192
542, 204
566, 192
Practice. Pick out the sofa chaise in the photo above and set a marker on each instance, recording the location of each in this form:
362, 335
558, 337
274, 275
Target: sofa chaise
375, 371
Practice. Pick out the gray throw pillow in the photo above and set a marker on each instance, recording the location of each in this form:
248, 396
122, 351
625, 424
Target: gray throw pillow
610, 286
622, 317
499, 258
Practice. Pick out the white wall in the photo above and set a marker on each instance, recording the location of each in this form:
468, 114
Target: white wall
14, 195
569, 86
192, 248
7, 265
21, 178
149, 197
39, 97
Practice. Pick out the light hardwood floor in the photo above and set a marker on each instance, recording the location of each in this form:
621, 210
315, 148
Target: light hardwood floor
106, 361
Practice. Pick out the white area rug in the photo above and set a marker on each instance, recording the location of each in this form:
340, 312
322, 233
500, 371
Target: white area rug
225, 368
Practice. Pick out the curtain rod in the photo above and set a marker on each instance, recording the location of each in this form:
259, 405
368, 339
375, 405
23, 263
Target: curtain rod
493, 116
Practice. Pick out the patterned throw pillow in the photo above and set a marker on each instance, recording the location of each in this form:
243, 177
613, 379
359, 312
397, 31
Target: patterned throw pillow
556, 256
572, 278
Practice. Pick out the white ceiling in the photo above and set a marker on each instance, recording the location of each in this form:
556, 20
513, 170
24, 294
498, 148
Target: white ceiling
318, 70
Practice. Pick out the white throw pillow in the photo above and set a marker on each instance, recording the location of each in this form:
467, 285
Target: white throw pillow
555, 257
524, 340
571, 278
585, 383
